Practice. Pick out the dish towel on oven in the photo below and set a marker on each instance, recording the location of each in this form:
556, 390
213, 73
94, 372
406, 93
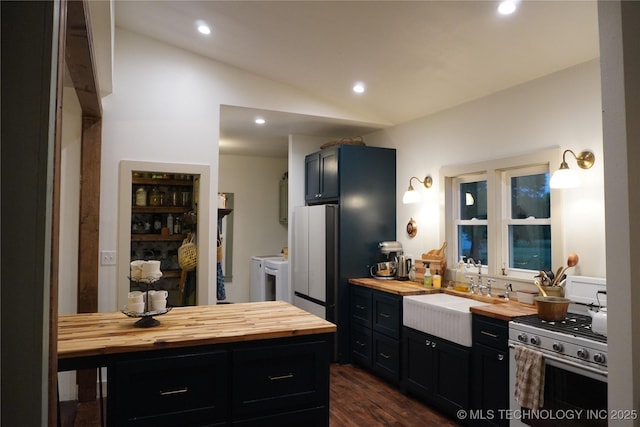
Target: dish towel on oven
529, 378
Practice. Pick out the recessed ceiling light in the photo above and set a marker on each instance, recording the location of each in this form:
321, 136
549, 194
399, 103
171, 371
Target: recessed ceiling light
507, 7
260, 121
203, 28
358, 87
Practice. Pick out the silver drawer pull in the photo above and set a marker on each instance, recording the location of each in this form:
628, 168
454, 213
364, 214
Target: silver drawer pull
281, 377
501, 357
170, 392
385, 315
385, 355
361, 344
360, 307
489, 334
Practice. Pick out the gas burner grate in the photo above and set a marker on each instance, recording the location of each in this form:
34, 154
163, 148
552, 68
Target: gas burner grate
578, 325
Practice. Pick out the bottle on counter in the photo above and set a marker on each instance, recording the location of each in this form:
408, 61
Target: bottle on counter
177, 226
437, 280
461, 274
428, 280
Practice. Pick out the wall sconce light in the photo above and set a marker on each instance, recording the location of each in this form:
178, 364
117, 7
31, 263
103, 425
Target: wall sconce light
411, 195
469, 200
567, 178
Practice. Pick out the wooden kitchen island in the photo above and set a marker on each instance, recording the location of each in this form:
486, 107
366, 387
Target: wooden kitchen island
243, 364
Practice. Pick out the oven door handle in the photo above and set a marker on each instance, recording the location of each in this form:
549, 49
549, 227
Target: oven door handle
600, 372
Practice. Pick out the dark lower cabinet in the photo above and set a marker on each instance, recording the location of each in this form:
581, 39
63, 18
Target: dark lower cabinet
281, 382
315, 417
490, 390
376, 319
361, 345
436, 371
276, 380
181, 390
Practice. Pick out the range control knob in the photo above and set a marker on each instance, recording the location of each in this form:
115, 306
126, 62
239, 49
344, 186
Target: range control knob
522, 337
557, 347
599, 358
535, 340
582, 353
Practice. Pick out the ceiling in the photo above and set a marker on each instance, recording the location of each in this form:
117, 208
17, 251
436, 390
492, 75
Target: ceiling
415, 57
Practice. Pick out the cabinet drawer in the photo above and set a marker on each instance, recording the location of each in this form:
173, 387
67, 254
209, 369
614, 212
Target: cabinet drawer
361, 340
280, 377
386, 314
361, 306
313, 417
169, 391
491, 332
386, 357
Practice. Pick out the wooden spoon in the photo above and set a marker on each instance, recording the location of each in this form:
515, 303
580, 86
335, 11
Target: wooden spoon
572, 261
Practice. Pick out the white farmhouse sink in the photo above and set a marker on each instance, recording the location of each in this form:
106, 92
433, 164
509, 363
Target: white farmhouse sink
441, 315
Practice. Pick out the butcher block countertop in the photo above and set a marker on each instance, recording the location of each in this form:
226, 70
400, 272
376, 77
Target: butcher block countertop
507, 310
398, 287
498, 308
95, 334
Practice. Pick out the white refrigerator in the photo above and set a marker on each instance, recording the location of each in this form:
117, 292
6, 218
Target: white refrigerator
314, 260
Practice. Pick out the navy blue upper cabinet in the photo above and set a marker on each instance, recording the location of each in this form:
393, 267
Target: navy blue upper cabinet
321, 176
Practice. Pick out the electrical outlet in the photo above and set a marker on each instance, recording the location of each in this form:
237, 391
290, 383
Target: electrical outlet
108, 257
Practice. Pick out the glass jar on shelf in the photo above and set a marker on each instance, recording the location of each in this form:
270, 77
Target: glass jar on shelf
185, 198
173, 197
141, 196
154, 197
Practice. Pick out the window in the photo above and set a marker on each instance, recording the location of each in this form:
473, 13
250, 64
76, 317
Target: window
500, 213
527, 202
472, 217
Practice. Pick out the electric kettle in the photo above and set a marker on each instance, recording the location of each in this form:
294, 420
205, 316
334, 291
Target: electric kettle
404, 267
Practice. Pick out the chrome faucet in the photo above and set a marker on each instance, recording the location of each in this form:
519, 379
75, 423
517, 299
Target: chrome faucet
471, 261
471, 285
507, 290
487, 288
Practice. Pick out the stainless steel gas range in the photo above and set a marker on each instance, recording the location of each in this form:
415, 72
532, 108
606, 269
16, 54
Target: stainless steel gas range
575, 361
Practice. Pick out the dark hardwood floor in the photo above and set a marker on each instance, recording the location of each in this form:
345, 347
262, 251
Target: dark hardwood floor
357, 397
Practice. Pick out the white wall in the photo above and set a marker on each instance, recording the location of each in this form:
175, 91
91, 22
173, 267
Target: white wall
257, 230
165, 107
560, 110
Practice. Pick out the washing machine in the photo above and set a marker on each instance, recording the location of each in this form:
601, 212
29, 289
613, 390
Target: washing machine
258, 276
276, 280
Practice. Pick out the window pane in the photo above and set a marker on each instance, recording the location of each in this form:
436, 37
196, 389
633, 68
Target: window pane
473, 200
530, 196
472, 242
530, 247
